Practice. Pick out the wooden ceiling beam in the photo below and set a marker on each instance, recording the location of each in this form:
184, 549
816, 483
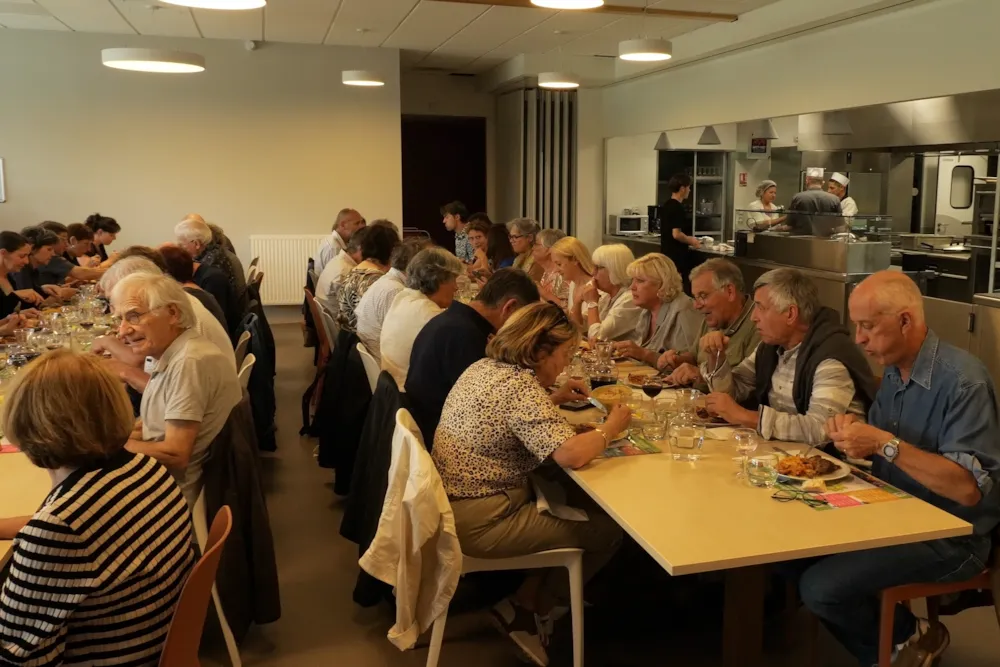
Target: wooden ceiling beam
613, 9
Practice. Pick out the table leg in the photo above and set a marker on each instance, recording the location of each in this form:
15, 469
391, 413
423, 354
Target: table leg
743, 617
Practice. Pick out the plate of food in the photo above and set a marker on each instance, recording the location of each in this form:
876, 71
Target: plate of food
802, 468
612, 394
706, 418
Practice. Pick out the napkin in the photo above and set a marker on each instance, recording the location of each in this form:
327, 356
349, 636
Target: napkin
720, 433
550, 498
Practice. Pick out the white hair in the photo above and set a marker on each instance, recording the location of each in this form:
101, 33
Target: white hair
155, 291
126, 267
791, 287
193, 230
615, 258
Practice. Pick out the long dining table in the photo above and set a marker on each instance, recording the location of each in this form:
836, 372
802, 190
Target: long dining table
697, 516
23, 487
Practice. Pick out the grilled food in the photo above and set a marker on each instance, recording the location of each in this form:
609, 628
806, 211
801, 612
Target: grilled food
800, 466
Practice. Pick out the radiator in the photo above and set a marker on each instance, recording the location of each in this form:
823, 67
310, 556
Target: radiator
284, 260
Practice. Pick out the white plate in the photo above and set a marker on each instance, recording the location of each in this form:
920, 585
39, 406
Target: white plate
841, 472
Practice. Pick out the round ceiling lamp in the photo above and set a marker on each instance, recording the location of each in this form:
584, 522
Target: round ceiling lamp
218, 4
360, 77
645, 50
568, 4
160, 61
558, 81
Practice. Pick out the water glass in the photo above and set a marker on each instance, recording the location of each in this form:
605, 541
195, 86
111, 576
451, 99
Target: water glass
762, 470
21, 336
686, 438
654, 431
746, 444
686, 400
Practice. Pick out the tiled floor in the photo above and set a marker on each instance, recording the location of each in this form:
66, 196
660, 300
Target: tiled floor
646, 618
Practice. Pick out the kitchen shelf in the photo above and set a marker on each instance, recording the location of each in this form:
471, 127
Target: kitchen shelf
708, 180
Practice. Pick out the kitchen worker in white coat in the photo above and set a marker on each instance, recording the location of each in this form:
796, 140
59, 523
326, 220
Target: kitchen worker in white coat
838, 186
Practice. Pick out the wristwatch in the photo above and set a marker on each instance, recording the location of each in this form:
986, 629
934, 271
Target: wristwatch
890, 450
590, 305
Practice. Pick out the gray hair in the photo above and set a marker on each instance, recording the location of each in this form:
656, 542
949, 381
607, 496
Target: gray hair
615, 258
723, 273
430, 268
404, 253
156, 291
764, 185
193, 230
791, 287
524, 226
126, 267
548, 237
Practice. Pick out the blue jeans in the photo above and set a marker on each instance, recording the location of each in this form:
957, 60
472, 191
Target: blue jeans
843, 590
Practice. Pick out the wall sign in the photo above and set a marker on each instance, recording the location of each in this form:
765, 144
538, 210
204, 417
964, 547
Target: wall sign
758, 149
743, 179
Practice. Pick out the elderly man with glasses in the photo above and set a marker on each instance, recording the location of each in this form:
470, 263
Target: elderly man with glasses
192, 385
728, 330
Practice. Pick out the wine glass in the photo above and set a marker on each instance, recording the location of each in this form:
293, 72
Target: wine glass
746, 444
652, 388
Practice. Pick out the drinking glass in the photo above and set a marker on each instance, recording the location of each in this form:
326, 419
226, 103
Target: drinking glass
603, 350
746, 444
762, 470
652, 388
686, 400
21, 336
654, 431
686, 438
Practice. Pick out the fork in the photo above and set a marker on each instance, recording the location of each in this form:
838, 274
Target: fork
710, 375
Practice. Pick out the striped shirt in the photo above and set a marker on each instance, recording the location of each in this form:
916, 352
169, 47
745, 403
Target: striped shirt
96, 574
833, 394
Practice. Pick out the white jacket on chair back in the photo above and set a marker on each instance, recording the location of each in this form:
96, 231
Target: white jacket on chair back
415, 549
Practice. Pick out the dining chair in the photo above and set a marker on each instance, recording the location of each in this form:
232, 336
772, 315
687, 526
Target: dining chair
325, 343
987, 579
184, 634
329, 323
571, 559
251, 274
241, 347
372, 368
246, 369
254, 262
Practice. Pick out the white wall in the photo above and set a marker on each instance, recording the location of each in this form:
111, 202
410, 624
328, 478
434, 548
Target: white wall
590, 215
268, 141
439, 94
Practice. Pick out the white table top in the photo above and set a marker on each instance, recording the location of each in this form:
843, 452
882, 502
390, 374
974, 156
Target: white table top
698, 517
23, 487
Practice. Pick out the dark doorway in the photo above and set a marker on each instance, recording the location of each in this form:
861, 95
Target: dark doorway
444, 159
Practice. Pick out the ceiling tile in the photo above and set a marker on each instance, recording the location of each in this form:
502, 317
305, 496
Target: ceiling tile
21, 7
552, 33
431, 24
30, 22
87, 15
158, 19
605, 40
230, 25
492, 29
303, 21
368, 22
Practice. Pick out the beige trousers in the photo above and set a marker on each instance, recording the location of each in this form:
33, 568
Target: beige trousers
508, 524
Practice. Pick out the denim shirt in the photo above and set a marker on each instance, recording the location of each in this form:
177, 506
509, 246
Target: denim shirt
946, 407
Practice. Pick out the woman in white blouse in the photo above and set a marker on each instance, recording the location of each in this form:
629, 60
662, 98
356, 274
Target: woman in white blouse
611, 315
769, 214
572, 260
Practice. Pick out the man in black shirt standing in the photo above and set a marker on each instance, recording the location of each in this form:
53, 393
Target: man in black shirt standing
456, 339
677, 228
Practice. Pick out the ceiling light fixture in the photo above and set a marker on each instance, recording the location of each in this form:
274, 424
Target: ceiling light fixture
645, 50
765, 130
663, 143
218, 4
709, 137
153, 60
360, 77
558, 81
568, 4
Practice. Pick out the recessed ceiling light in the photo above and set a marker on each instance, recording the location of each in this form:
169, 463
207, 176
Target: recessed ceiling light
568, 4
645, 50
218, 4
558, 81
360, 77
153, 60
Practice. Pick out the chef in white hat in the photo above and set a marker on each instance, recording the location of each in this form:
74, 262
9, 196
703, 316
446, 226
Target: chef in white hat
838, 186
814, 199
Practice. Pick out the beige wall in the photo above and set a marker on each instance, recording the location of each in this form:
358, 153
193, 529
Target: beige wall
268, 141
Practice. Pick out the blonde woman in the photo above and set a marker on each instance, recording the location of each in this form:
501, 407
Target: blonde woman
612, 316
668, 320
108, 551
498, 425
572, 260
523, 232
551, 284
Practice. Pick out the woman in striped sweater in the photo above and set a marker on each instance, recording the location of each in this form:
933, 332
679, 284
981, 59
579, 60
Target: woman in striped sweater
96, 573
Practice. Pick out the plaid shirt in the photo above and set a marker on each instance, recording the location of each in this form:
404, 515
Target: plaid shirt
833, 394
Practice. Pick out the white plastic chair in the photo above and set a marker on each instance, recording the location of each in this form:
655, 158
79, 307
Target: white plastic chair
200, 521
571, 559
329, 323
241, 347
372, 368
246, 369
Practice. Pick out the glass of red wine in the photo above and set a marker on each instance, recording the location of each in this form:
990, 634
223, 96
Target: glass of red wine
652, 388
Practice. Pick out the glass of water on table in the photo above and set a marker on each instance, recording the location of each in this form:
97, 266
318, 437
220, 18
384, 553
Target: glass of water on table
746, 444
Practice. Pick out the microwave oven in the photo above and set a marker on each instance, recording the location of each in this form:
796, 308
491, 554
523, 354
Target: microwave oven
632, 224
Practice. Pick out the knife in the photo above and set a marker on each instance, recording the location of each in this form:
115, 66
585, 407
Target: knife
597, 404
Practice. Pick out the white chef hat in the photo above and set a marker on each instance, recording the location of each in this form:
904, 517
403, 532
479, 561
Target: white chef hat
815, 172
840, 178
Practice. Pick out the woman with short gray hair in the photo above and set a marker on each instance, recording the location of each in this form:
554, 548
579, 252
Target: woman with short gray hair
431, 283
523, 232
608, 310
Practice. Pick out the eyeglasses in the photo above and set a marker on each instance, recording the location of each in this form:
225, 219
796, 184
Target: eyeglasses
134, 317
562, 319
518, 236
783, 496
703, 296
